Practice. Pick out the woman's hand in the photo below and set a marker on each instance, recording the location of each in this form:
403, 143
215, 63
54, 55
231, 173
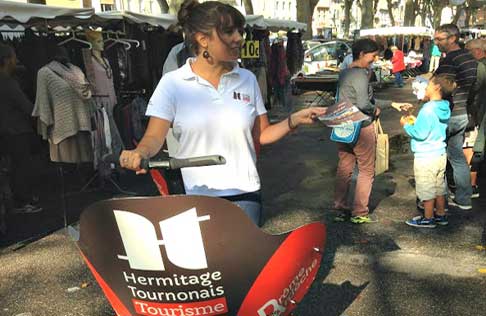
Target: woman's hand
131, 159
377, 112
306, 116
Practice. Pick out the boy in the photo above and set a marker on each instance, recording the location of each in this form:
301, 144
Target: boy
428, 133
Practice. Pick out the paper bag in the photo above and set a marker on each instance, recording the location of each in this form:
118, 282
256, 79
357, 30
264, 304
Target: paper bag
382, 149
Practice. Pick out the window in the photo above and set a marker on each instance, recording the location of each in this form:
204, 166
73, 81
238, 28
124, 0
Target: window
107, 7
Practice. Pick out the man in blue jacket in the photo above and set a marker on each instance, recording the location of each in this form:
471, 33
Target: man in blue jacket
428, 133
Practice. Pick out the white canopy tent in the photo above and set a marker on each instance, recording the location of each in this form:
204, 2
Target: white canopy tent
275, 25
24, 13
256, 21
163, 20
397, 30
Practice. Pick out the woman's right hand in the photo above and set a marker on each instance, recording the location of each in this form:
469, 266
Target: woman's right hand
131, 159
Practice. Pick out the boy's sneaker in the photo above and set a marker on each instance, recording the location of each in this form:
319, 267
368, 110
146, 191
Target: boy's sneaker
441, 220
475, 190
28, 209
422, 222
464, 207
362, 219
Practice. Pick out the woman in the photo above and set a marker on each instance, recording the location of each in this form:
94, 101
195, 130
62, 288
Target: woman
354, 87
398, 61
215, 107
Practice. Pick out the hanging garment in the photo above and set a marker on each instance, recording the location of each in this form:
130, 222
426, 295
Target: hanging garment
61, 110
278, 65
295, 52
417, 43
262, 81
100, 75
118, 58
74, 149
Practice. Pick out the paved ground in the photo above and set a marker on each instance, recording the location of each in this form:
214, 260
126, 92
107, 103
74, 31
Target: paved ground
385, 268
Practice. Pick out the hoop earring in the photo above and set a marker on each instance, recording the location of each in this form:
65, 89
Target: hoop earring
206, 54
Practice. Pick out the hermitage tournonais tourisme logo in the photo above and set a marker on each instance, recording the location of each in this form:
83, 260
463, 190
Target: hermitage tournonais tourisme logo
190, 294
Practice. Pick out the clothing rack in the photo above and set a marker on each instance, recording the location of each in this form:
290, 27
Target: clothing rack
133, 92
97, 175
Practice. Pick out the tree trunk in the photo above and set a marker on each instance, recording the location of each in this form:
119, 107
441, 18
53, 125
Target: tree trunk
390, 12
164, 6
248, 6
347, 16
457, 16
305, 11
409, 18
367, 14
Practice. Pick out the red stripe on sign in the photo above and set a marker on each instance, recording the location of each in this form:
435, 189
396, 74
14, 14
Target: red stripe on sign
288, 274
203, 308
115, 302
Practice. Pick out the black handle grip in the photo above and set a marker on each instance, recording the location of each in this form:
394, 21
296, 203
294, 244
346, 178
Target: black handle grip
174, 163
144, 164
197, 161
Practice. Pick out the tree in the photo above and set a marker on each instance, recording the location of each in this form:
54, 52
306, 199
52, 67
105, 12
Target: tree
305, 11
390, 12
164, 6
367, 13
348, 4
248, 6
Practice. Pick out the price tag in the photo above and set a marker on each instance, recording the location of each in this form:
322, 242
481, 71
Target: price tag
250, 49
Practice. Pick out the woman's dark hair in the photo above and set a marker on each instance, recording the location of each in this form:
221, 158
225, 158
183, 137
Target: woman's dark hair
388, 54
6, 52
195, 17
364, 46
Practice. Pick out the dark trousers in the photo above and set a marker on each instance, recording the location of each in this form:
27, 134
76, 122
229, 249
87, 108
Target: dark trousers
21, 174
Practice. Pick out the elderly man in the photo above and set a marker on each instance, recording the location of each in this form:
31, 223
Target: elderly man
477, 48
461, 65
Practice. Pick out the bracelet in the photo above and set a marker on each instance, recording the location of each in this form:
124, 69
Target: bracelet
289, 121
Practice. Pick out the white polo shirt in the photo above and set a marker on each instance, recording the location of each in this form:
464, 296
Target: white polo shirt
210, 121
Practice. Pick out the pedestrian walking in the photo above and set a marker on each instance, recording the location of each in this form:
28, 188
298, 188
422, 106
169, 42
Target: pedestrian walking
354, 87
434, 58
398, 62
462, 66
215, 107
428, 134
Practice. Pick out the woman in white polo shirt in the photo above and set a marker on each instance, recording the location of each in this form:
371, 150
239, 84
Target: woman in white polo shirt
214, 107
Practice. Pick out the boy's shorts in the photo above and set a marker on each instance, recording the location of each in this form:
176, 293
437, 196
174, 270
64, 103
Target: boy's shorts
429, 177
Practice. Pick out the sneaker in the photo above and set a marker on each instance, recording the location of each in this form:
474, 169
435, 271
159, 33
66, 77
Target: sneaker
28, 209
342, 217
464, 207
362, 219
475, 193
420, 221
441, 220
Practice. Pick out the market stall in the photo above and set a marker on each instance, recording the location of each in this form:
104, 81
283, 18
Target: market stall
88, 77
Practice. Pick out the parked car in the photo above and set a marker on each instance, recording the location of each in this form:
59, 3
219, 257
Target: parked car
329, 54
310, 44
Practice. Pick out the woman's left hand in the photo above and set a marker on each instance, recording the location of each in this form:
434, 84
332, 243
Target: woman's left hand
307, 116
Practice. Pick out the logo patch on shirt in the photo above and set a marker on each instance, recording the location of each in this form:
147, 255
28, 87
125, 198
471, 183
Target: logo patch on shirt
241, 96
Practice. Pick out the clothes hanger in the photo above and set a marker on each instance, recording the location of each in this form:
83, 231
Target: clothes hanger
117, 40
74, 38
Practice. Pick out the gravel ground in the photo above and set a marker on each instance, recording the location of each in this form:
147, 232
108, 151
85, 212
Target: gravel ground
385, 268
